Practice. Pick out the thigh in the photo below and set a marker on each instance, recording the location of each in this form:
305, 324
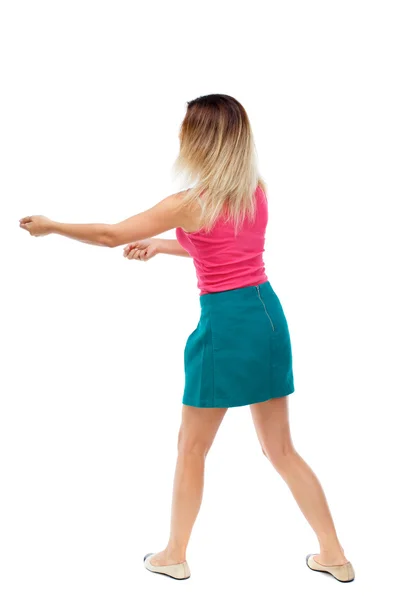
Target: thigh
199, 427
271, 421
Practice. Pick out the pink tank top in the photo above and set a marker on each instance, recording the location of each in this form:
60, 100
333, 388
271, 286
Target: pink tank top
224, 261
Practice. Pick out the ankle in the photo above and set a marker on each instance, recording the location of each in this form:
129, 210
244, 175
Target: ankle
332, 557
176, 553
331, 550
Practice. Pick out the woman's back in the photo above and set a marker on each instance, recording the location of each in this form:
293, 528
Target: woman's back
226, 261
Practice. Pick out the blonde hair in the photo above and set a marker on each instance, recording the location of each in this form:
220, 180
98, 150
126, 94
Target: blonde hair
218, 156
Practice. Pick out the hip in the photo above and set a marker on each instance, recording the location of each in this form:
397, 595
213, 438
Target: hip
244, 308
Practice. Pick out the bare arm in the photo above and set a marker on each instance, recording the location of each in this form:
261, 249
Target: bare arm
163, 216
172, 247
150, 247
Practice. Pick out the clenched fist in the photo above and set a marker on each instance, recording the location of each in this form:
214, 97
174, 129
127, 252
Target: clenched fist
141, 250
36, 225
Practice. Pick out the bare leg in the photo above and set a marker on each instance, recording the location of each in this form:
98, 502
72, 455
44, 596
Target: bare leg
271, 421
196, 435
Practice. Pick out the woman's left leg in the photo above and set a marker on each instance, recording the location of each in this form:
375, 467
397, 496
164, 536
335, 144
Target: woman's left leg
196, 435
271, 421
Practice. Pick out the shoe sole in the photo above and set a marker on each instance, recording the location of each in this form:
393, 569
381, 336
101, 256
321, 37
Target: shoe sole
327, 572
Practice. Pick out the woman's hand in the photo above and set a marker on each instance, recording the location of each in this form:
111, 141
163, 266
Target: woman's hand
36, 225
142, 249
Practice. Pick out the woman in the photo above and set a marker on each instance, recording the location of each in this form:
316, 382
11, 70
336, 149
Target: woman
240, 352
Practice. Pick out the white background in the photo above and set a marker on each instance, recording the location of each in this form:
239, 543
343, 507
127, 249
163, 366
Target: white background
92, 97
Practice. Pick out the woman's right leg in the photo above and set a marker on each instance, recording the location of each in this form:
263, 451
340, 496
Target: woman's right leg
196, 435
271, 420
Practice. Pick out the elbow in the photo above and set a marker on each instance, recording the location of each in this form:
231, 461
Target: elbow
111, 243
110, 238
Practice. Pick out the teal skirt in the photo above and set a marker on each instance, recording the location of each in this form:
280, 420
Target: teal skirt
240, 352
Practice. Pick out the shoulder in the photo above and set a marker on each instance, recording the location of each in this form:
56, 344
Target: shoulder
187, 210
175, 201
172, 205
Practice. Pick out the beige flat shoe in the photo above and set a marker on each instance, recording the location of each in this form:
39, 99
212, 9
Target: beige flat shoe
344, 573
178, 571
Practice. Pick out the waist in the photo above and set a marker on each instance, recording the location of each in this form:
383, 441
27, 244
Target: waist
239, 293
211, 279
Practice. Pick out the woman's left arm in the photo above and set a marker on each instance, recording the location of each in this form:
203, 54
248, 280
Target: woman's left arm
163, 216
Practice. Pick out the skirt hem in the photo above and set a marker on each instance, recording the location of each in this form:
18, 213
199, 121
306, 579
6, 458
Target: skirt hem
240, 403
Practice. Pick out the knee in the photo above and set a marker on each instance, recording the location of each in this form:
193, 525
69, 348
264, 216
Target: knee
191, 446
280, 456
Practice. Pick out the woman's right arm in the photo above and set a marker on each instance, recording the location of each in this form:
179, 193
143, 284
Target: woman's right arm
170, 247
149, 247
